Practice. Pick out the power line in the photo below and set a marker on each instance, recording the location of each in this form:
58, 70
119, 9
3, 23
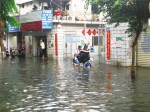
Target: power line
58, 5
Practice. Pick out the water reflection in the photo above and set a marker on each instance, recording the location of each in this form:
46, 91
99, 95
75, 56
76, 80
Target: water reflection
37, 85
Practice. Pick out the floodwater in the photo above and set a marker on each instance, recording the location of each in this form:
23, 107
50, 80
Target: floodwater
35, 85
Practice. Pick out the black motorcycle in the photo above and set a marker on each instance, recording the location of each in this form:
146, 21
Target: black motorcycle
21, 52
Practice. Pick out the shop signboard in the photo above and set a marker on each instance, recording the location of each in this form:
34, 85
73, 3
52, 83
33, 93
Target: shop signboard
47, 19
12, 28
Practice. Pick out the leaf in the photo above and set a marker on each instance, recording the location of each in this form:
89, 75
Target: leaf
8, 10
135, 12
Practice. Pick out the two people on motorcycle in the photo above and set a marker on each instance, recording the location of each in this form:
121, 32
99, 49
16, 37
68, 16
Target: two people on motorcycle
82, 56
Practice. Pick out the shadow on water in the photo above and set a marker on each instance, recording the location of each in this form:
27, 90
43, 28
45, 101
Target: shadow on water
37, 85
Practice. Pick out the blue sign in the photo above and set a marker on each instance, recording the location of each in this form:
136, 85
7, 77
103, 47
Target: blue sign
47, 19
12, 28
92, 49
107, 29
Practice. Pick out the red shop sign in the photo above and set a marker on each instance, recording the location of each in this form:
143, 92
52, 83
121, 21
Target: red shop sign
31, 26
108, 45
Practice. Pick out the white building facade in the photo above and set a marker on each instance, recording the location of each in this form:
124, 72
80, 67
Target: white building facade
71, 28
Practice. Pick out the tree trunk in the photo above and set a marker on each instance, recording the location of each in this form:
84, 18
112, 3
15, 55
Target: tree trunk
2, 46
133, 61
1, 38
133, 73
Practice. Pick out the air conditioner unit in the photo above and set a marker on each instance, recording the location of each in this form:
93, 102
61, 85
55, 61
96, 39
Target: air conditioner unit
71, 18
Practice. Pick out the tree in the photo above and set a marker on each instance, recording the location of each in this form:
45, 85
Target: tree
135, 12
8, 10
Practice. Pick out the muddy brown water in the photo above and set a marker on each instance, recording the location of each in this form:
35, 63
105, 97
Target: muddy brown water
35, 85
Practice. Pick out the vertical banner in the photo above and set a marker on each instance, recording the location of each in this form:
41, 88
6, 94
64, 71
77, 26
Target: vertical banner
108, 44
47, 19
56, 45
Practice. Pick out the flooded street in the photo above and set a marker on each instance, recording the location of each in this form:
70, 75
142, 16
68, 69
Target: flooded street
35, 85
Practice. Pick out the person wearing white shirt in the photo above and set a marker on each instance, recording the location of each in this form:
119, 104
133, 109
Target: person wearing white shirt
75, 60
42, 48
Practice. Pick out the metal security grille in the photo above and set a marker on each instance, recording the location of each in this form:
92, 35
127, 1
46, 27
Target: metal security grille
143, 49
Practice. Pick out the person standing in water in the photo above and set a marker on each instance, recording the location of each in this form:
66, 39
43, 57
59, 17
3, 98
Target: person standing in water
75, 60
42, 48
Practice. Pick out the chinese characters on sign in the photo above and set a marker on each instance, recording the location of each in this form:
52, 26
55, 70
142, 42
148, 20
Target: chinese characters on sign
13, 28
108, 44
47, 19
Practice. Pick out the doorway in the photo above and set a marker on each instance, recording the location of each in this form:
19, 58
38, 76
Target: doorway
44, 39
98, 45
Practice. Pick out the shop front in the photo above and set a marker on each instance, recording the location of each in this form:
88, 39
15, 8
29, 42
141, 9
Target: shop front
30, 40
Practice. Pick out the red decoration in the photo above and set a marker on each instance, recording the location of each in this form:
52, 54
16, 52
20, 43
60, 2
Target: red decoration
83, 32
56, 45
94, 32
89, 32
58, 13
108, 45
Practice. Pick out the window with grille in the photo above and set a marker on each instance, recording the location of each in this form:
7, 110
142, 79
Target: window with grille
95, 40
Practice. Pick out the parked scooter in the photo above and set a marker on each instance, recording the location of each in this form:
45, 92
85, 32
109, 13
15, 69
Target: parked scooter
6, 52
21, 52
12, 52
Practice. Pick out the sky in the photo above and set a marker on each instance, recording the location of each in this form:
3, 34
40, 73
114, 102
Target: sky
22, 1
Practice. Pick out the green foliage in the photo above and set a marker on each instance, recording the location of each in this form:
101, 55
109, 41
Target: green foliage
76, 18
8, 10
135, 12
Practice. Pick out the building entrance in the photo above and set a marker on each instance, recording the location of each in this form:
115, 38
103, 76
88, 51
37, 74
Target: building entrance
44, 39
